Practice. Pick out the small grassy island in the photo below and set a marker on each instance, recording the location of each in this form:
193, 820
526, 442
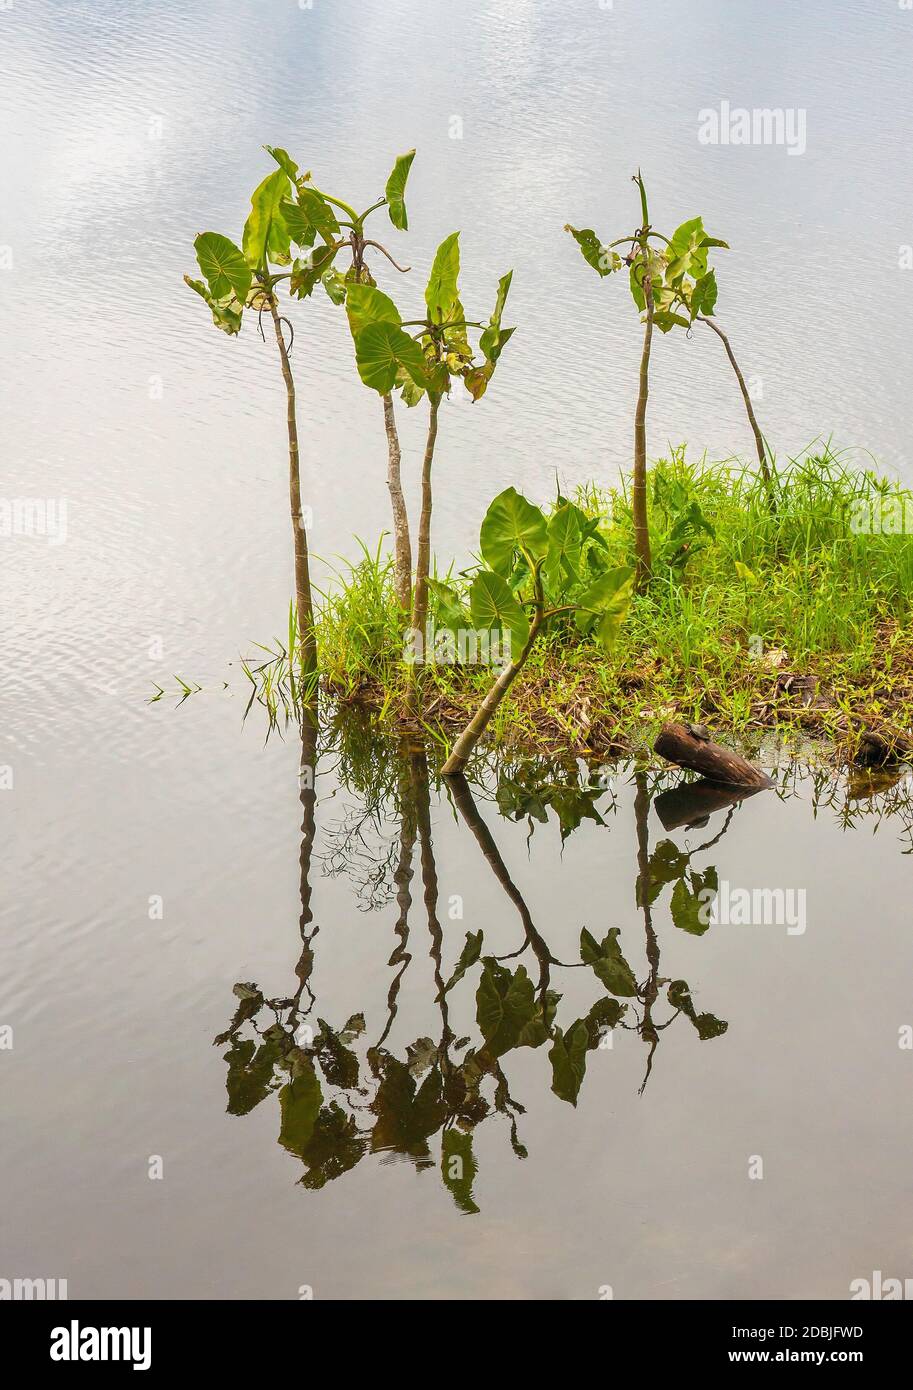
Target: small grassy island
792, 619
746, 599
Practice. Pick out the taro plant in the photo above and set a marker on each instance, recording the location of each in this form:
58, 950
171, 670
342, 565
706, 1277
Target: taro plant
241, 279
312, 214
238, 279
539, 571
423, 363
673, 287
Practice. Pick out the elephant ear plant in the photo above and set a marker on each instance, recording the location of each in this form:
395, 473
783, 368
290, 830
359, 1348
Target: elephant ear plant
287, 211
236, 280
425, 363
312, 214
538, 571
673, 287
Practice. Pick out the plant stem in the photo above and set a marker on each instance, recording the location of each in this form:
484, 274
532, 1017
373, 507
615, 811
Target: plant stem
423, 552
639, 484
749, 408
462, 749
303, 598
402, 545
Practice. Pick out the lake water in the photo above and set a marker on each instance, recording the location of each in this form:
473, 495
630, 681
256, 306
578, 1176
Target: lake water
155, 856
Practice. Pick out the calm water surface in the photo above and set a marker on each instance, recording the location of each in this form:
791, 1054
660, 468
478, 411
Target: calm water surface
127, 129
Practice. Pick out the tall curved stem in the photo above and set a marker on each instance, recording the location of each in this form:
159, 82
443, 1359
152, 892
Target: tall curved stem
306, 637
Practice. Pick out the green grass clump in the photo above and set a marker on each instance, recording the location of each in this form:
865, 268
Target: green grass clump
743, 596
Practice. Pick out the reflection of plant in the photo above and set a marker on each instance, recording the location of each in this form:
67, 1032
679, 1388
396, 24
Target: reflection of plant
341, 1097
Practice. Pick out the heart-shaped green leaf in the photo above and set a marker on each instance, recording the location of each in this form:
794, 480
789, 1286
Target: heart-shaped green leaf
309, 270
381, 349
442, 292
396, 189
366, 304
284, 160
594, 253
494, 337
226, 313
224, 267
604, 606
565, 542
493, 606
318, 212
300, 229
512, 524
266, 235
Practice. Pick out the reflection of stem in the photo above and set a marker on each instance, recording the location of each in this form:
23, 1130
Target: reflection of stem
308, 796
708, 844
402, 878
650, 988
419, 768
465, 804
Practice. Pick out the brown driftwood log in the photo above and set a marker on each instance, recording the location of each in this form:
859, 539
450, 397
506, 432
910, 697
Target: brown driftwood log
677, 744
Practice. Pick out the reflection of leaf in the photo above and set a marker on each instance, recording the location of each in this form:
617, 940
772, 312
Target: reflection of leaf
470, 953
334, 1147
250, 1071
338, 1062
250, 1005
505, 1003
688, 903
605, 1013
707, 1025
458, 1168
538, 1029
568, 1058
568, 1051
516, 801
421, 1054
300, 1104
572, 805
405, 1118
667, 863
353, 1028
607, 962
